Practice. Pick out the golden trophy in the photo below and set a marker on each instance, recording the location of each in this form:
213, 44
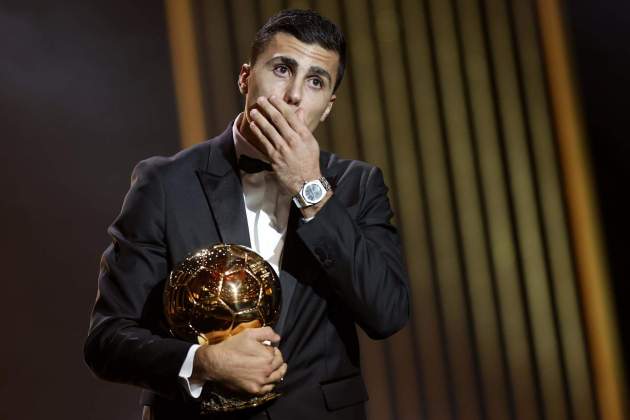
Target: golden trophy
215, 293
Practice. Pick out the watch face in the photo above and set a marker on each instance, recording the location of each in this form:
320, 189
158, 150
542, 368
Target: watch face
313, 192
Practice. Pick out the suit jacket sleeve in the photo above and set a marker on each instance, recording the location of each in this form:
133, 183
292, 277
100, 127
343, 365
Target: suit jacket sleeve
123, 344
361, 257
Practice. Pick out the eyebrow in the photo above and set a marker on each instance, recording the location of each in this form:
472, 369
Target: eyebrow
294, 64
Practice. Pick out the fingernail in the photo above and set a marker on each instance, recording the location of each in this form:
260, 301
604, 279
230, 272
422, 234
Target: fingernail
272, 97
253, 112
260, 99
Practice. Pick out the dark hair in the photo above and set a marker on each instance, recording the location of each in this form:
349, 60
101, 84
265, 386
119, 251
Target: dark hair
307, 26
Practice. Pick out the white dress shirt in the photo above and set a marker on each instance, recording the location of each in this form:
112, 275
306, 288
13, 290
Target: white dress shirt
267, 208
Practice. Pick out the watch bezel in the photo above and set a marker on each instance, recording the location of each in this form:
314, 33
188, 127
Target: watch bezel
300, 199
322, 191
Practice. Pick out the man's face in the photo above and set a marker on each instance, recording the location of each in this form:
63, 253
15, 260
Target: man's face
302, 74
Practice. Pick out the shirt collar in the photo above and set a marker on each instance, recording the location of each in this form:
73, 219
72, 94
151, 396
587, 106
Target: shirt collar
241, 145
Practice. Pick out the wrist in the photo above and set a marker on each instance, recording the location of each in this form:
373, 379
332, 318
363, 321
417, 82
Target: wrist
204, 363
299, 183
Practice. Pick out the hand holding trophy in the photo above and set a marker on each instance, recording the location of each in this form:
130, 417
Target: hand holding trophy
218, 292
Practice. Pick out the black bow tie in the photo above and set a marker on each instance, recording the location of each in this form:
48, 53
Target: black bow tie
252, 166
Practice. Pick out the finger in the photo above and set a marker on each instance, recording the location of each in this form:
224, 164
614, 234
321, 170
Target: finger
265, 333
278, 374
267, 388
258, 115
266, 144
270, 352
277, 117
300, 114
267, 128
289, 114
277, 360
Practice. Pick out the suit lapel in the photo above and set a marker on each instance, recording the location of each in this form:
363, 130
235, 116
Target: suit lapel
222, 187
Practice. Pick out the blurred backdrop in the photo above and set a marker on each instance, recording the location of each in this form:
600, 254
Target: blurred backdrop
499, 125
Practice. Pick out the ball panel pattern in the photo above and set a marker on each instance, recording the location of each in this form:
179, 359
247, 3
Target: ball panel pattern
219, 291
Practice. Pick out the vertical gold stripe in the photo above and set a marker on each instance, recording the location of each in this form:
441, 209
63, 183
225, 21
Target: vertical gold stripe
502, 250
222, 94
588, 248
526, 220
370, 119
298, 4
361, 59
269, 8
406, 387
563, 276
375, 374
450, 265
469, 207
185, 62
244, 19
425, 306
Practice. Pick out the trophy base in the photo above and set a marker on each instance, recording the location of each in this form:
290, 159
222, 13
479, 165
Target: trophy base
212, 402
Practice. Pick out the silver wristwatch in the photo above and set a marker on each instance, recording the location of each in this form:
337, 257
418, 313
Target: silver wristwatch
311, 193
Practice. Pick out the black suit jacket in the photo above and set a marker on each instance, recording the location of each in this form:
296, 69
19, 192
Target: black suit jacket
344, 269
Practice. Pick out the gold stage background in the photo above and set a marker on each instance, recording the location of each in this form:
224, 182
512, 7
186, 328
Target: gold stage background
468, 107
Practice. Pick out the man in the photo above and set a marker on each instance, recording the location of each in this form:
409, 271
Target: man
322, 222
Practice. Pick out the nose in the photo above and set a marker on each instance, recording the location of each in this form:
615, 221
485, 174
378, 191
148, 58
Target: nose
293, 93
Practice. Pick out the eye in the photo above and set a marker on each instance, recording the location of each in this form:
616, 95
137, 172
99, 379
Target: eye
316, 82
281, 70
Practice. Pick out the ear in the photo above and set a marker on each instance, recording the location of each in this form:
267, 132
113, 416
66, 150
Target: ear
243, 77
328, 108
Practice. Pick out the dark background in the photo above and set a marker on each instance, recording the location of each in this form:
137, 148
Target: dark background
600, 37
85, 92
